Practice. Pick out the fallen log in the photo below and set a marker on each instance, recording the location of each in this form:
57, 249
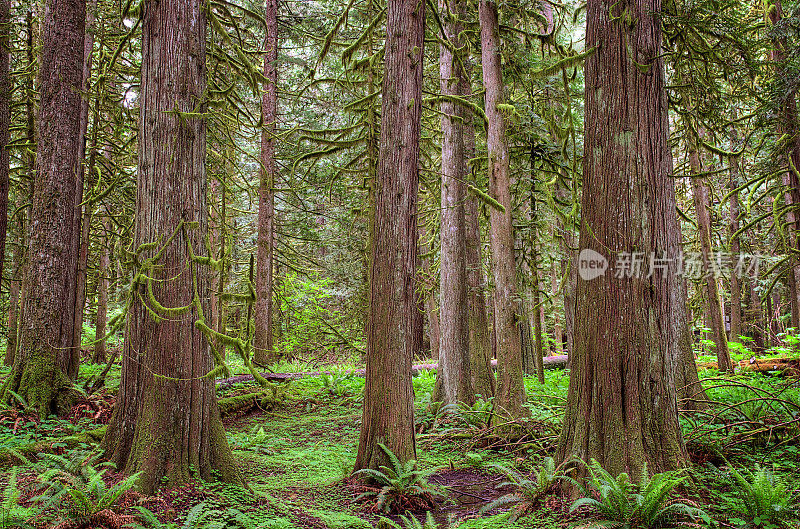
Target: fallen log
787, 366
550, 362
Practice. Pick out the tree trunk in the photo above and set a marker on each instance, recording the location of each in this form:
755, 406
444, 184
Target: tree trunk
733, 227
13, 311
83, 213
44, 358
5, 124
713, 298
388, 414
103, 271
480, 339
510, 395
263, 349
431, 308
454, 360
166, 422
558, 332
790, 158
622, 401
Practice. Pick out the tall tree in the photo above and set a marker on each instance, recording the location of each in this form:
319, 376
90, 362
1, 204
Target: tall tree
454, 359
713, 298
5, 121
510, 395
622, 400
166, 422
262, 339
83, 212
44, 357
388, 414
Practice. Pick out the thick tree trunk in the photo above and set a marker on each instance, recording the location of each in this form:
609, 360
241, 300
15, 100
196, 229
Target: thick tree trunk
480, 339
388, 414
510, 395
454, 360
5, 123
44, 358
166, 422
622, 401
103, 271
83, 213
713, 298
263, 349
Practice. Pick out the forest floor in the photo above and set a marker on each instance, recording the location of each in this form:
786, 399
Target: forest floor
297, 445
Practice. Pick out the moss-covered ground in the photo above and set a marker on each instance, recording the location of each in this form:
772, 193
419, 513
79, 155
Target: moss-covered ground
296, 449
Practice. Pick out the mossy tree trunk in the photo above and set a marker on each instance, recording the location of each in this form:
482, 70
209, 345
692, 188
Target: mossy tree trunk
510, 395
622, 400
454, 359
388, 414
83, 212
264, 351
166, 422
45, 352
713, 297
5, 122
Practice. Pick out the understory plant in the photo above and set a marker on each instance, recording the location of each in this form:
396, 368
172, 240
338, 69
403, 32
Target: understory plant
764, 499
13, 515
644, 504
399, 487
409, 522
527, 492
76, 486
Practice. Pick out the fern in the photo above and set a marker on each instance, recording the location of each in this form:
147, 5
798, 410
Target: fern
78, 484
764, 498
409, 522
11, 513
624, 503
527, 492
399, 484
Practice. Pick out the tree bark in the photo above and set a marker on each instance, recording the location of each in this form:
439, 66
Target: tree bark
263, 348
789, 159
5, 123
480, 339
388, 414
510, 395
733, 227
454, 359
44, 358
83, 213
622, 401
166, 422
713, 298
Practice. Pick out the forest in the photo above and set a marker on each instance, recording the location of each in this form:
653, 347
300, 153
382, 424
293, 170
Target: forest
399, 264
